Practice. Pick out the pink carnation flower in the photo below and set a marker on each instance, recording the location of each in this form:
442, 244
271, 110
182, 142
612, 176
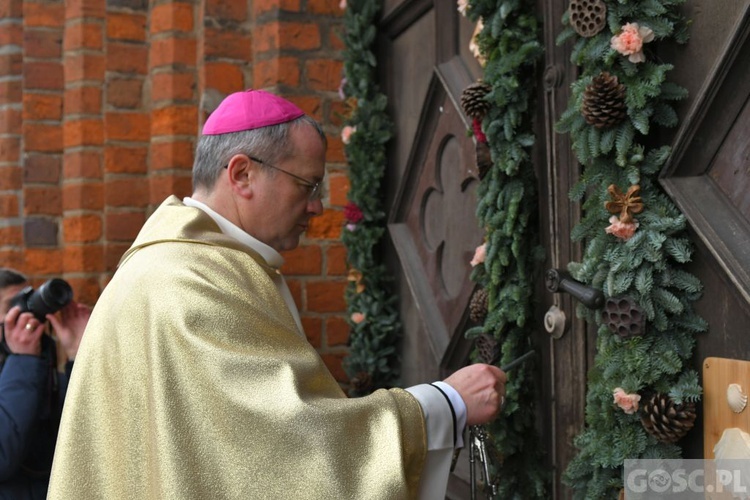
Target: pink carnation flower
627, 402
357, 318
622, 230
347, 133
479, 255
342, 4
630, 41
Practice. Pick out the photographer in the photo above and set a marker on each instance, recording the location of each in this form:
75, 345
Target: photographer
32, 390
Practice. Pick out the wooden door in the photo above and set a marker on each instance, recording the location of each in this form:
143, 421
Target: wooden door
431, 181
708, 178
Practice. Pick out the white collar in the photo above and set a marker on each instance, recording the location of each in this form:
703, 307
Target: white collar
271, 256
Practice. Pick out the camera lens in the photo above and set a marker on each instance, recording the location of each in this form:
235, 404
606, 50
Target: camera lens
52, 296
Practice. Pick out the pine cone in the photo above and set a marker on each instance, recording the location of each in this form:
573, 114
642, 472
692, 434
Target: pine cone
665, 420
478, 306
604, 101
588, 17
488, 348
472, 99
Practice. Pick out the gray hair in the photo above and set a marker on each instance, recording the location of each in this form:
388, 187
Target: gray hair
271, 144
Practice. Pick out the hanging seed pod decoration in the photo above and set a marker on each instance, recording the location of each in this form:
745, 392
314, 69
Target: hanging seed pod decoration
488, 348
588, 17
473, 102
666, 420
624, 317
604, 101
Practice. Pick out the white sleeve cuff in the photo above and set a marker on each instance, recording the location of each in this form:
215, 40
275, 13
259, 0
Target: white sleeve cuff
445, 414
459, 407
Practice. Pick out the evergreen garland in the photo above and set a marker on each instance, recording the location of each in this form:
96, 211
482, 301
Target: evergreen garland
509, 43
646, 263
373, 360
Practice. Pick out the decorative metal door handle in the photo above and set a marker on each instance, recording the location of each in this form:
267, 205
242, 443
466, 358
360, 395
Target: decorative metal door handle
560, 281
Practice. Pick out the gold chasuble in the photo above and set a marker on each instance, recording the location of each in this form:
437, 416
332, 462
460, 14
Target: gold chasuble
192, 382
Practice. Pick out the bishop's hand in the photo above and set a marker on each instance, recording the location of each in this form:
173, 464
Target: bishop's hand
482, 388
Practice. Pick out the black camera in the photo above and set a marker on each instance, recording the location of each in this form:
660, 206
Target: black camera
49, 298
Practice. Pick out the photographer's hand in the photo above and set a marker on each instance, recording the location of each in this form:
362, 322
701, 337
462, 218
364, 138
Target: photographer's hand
23, 332
69, 326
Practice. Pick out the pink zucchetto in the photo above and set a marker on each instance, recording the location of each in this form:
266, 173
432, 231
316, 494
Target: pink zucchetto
249, 110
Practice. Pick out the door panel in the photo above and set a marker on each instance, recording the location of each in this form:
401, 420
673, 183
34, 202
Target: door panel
711, 161
432, 225
408, 65
707, 177
713, 23
431, 178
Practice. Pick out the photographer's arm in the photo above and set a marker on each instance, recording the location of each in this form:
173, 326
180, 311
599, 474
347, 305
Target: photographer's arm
22, 382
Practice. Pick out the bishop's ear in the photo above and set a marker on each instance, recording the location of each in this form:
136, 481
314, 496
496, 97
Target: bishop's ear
242, 174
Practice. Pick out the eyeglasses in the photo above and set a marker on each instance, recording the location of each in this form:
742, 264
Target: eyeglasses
316, 188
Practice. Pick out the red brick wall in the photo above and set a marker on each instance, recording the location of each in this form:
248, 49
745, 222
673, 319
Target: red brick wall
100, 105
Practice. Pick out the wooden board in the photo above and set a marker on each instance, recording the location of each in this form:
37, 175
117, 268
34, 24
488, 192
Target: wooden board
718, 373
